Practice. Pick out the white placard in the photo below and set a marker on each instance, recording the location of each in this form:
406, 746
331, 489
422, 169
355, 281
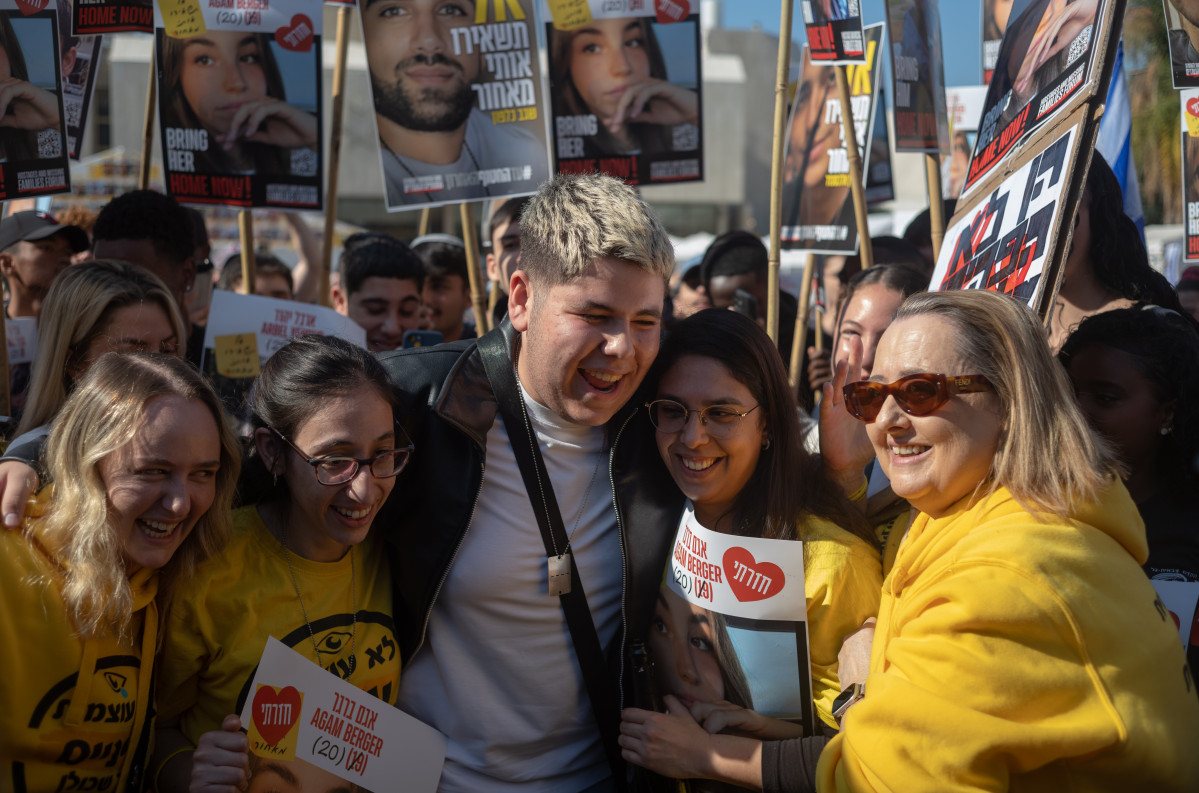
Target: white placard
339, 728
21, 334
274, 321
1181, 599
746, 577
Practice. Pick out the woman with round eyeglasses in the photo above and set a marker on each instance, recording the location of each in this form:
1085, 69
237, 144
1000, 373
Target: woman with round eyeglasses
1019, 645
302, 565
727, 429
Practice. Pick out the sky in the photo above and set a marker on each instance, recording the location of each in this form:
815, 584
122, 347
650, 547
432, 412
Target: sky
961, 30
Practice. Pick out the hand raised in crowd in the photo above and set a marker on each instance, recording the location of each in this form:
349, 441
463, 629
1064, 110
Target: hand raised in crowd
655, 102
844, 445
273, 122
25, 106
820, 367
221, 763
18, 482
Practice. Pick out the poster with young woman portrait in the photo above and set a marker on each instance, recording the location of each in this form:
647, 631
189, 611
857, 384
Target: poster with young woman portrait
918, 76
33, 154
729, 628
1182, 31
834, 28
995, 17
818, 214
239, 102
625, 92
1051, 59
963, 105
80, 58
1189, 101
114, 16
458, 99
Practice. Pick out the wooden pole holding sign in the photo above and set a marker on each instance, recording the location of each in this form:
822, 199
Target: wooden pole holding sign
339, 85
470, 237
245, 230
800, 339
423, 228
776, 171
865, 250
936, 205
143, 177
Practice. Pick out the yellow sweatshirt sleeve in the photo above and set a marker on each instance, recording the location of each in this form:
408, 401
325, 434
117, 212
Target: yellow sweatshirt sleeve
983, 677
842, 585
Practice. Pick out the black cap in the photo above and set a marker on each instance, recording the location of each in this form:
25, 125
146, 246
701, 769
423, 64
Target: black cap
33, 224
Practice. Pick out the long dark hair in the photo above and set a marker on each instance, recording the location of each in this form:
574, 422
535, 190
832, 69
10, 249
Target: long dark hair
294, 383
16, 144
789, 483
1117, 255
1165, 348
568, 101
267, 159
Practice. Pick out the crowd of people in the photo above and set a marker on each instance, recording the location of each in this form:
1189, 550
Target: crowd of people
477, 528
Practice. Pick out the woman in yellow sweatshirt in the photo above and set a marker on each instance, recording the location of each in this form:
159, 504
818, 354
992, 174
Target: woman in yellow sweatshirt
1019, 645
143, 471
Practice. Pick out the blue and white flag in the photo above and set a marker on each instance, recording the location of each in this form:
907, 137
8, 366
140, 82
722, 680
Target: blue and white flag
1115, 141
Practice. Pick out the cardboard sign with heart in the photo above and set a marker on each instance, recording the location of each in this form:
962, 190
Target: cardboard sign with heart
297, 36
750, 579
27, 7
274, 715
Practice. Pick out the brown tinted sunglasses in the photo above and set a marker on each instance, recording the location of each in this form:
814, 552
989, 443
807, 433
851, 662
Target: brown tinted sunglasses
916, 394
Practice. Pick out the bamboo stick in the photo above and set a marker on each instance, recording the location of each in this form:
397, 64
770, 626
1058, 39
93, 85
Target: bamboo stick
776, 170
245, 231
470, 237
866, 251
143, 177
339, 85
936, 205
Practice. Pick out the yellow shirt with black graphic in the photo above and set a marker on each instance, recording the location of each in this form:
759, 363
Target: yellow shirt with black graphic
220, 620
74, 709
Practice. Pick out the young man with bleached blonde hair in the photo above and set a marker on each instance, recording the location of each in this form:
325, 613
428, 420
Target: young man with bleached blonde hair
489, 656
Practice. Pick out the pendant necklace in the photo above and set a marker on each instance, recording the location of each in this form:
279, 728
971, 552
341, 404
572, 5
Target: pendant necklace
353, 604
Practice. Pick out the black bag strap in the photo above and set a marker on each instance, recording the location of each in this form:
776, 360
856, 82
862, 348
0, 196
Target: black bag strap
496, 360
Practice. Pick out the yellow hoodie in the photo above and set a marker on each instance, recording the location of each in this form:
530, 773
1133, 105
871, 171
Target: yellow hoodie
1021, 654
74, 709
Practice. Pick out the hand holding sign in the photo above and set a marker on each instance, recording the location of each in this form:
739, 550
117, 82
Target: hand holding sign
272, 122
716, 717
221, 762
24, 106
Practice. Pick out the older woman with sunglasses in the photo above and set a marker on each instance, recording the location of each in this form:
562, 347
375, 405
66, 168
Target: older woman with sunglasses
302, 565
1019, 646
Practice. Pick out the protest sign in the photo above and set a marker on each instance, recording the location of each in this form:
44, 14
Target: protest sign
239, 101
879, 181
21, 335
1006, 240
1053, 57
458, 101
834, 28
994, 22
112, 16
80, 63
1180, 599
244, 330
1189, 104
744, 597
918, 76
318, 724
963, 105
625, 91
817, 206
33, 155
1182, 32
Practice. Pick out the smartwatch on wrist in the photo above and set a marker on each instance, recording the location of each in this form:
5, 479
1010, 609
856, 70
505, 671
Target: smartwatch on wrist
847, 699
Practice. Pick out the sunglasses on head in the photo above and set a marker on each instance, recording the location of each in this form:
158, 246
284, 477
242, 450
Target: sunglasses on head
916, 394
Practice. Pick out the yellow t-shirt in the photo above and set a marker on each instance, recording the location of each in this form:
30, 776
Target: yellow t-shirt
842, 585
220, 620
56, 733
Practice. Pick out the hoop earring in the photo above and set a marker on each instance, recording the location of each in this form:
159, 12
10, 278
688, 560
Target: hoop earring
766, 445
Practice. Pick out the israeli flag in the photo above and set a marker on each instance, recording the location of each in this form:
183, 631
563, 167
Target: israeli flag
1115, 141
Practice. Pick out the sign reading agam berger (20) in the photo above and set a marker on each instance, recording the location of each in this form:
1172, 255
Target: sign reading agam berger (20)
834, 28
239, 101
1002, 241
638, 117
320, 724
458, 100
1048, 62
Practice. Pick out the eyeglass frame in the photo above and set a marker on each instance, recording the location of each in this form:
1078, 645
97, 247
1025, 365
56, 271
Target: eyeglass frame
700, 412
948, 386
369, 462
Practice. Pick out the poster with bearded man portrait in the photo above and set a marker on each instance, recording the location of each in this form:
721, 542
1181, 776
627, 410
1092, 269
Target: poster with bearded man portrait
458, 99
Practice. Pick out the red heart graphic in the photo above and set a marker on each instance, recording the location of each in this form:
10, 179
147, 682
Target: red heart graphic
275, 712
750, 579
668, 11
28, 7
297, 36
1192, 104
